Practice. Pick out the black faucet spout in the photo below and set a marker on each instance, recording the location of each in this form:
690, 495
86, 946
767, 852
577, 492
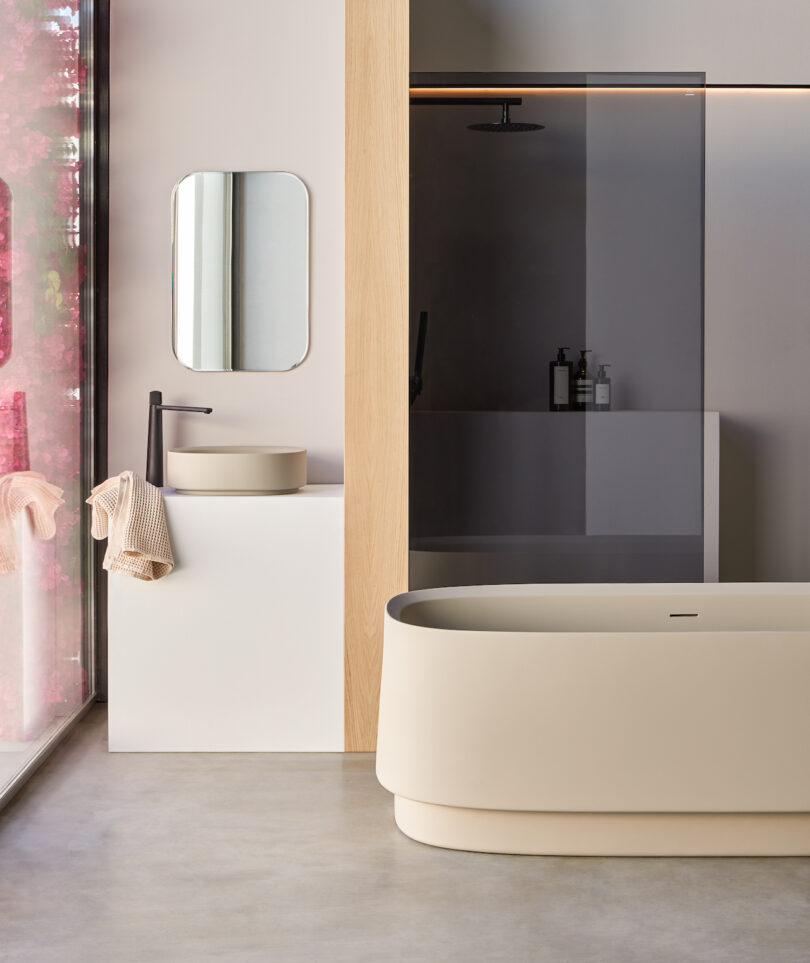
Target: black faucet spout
154, 444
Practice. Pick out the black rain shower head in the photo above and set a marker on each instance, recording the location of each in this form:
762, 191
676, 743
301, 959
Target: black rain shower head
505, 125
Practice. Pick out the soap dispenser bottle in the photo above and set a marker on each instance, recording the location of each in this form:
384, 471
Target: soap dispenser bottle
601, 389
583, 384
559, 382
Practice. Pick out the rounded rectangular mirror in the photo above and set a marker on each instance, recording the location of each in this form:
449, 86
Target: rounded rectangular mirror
240, 271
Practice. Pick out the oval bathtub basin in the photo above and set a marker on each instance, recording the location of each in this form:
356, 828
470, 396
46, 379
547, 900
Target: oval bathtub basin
600, 719
237, 470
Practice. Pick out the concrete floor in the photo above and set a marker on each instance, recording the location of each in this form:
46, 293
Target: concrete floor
15, 755
292, 857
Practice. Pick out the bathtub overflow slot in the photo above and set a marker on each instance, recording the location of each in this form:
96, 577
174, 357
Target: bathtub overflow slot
683, 615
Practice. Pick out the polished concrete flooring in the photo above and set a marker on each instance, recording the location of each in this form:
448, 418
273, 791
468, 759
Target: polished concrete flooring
15, 755
124, 858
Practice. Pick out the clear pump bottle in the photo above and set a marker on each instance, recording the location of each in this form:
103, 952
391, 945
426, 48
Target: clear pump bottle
601, 390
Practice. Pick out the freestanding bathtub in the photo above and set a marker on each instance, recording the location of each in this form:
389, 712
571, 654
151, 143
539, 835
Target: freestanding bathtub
600, 719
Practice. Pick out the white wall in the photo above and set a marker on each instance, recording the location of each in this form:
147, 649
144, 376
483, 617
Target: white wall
757, 297
201, 85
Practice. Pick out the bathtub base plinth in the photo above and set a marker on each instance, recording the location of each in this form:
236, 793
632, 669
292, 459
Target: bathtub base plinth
605, 834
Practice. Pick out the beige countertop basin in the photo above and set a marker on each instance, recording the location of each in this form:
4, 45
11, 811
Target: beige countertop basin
237, 469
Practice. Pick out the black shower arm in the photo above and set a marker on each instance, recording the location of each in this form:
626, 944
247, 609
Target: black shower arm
417, 101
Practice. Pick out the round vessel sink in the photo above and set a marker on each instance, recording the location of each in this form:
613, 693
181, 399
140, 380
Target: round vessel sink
237, 470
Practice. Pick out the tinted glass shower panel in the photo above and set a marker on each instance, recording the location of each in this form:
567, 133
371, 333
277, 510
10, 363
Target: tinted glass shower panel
545, 217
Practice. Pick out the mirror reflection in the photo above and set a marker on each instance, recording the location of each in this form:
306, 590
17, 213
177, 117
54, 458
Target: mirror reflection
240, 285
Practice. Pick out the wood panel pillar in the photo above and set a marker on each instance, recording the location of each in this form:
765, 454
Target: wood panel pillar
376, 458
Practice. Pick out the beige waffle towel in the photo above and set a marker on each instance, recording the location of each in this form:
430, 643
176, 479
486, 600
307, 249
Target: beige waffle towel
19, 491
129, 512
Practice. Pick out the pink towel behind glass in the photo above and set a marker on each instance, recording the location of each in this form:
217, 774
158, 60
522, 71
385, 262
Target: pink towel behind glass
25, 491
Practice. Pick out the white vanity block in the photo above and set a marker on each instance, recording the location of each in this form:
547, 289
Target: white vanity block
240, 648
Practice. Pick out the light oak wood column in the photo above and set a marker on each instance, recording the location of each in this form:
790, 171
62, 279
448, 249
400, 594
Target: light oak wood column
376, 345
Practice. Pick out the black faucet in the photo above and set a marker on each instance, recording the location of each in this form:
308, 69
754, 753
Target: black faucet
154, 444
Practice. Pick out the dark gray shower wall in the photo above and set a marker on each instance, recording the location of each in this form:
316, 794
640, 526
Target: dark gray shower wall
498, 234
498, 221
497, 473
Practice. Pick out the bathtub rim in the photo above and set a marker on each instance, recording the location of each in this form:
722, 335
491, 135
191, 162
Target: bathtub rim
397, 603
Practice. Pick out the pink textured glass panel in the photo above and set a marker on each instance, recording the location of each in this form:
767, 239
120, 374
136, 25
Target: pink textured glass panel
41, 266
5, 272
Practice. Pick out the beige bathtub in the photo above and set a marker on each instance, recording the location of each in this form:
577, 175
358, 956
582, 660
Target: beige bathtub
600, 719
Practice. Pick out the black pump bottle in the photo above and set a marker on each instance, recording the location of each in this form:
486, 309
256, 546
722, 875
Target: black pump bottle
583, 384
559, 382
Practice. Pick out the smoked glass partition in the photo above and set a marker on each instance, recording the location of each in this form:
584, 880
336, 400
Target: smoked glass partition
548, 212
